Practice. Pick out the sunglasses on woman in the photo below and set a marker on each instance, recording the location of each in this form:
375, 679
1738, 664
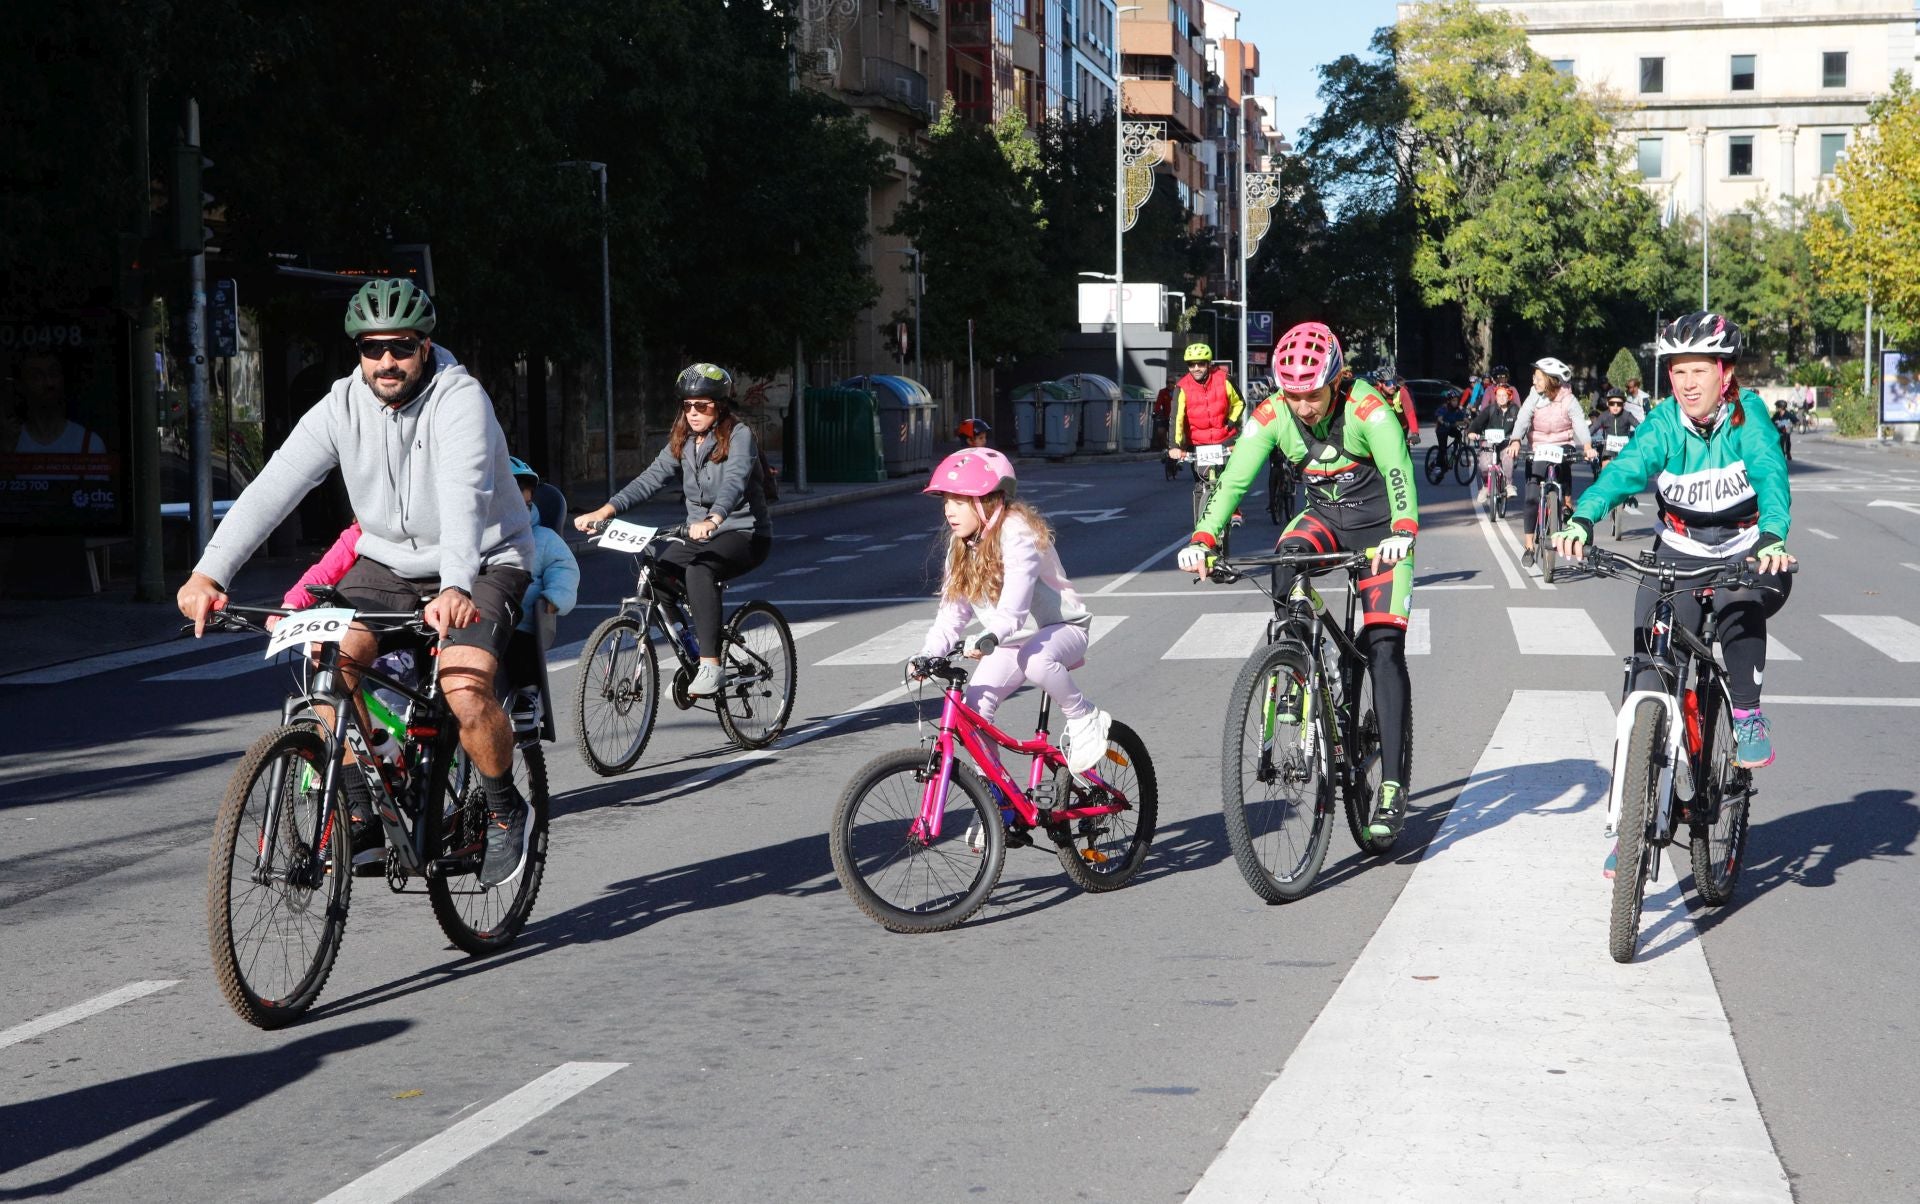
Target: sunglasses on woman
697, 407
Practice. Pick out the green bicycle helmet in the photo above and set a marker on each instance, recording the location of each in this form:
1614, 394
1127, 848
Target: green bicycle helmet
705, 380
388, 306
1197, 351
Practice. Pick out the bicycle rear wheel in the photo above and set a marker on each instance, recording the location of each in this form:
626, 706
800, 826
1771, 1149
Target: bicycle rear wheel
617, 696
1543, 528
1436, 466
476, 918
277, 879
1463, 464
1498, 495
901, 879
760, 671
1365, 767
1719, 841
1634, 858
1104, 852
1277, 800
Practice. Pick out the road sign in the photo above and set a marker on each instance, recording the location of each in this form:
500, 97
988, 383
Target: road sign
223, 319
1260, 328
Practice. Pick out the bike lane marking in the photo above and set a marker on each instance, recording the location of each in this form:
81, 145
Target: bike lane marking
1487, 525
441, 1153
87, 667
1484, 1047
80, 1011
1163, 557
1889, 635
1556, 631
1420, 632
1231, 636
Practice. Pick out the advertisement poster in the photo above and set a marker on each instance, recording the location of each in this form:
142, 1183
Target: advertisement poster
1899, 387
63, 426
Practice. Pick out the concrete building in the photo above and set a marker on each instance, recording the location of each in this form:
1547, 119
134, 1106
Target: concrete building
1089, 35
1164, 78
1733, 100
1038, 58
1237, 132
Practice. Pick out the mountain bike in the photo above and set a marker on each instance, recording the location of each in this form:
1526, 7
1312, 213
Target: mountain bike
1208, 461
1283, 479
1300, 729
1494, 477
919, 839
1450, 455
1613, 446
1673, 756
617, 698
1548, 504
277, 881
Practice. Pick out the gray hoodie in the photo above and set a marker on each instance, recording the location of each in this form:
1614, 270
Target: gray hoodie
429, 482
731, 487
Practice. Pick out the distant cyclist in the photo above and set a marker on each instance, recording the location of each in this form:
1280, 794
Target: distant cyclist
973, 432
1352, 448
1491, 427
1611, 428
1206, 407
1550, 417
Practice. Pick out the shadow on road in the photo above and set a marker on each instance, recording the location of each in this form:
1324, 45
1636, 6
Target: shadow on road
201, 1093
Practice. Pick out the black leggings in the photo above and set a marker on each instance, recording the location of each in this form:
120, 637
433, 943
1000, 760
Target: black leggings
1537, 472
1743, 626
1386, 649
703, 566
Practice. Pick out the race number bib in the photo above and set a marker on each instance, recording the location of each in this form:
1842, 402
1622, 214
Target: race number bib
1616, 442
323, 625
1549, 453
626, 537
1210, 455
1494, 434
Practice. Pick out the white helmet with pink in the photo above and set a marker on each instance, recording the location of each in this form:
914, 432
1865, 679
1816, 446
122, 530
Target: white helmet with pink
975, 472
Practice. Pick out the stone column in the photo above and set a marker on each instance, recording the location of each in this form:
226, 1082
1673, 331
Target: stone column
1697, 165
1789, 134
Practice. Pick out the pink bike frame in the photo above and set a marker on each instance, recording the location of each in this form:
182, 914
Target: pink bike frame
957, 717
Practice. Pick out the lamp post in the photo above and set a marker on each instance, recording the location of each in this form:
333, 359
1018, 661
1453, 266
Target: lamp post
1121, 219
606, 306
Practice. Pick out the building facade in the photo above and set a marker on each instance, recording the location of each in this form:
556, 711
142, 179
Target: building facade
1731, 101
1163, 72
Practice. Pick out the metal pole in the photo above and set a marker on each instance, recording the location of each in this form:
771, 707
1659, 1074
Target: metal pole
1240, 162
1866, 366
1703, 258
1119, 236
143, 440
606, 320
919, 301
973, 395
200, 422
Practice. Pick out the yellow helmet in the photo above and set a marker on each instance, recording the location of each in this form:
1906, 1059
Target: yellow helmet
1198, 351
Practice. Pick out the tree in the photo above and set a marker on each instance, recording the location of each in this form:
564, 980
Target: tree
1869, 245
1625, 367
1520, 185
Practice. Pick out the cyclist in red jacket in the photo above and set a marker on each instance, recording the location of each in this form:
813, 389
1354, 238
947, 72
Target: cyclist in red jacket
1206, 407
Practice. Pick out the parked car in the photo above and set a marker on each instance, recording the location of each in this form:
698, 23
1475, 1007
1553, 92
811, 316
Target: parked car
1428, 394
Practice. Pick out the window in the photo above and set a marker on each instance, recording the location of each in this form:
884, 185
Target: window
1831, 146
1563, 66
1740, 155
1833, 69
1742, 80
1650, 155
1653, 75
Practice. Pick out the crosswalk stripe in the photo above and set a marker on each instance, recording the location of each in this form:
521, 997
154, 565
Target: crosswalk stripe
891, 647
106, 662
1889, 634
1776, 651
1220, 637
1556, 631
220, 670
1420, 631
1518, 1063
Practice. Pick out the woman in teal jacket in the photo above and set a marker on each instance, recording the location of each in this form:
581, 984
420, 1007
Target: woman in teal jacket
1721, 481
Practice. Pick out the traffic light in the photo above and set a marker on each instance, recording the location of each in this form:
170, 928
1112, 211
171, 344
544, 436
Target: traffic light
130, 271
188, 202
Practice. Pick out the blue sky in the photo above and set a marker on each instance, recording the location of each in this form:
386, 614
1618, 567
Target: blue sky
1296, 36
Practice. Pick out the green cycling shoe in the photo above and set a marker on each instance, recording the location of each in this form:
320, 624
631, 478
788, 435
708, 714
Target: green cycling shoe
1389, 811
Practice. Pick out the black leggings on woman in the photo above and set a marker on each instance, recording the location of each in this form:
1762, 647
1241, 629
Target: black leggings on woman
1537, 473
1742, 632
703, 566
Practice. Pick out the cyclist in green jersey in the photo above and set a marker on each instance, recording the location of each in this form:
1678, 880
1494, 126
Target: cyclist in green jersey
1351, 444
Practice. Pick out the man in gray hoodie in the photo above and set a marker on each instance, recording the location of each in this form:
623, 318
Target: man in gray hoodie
426, 469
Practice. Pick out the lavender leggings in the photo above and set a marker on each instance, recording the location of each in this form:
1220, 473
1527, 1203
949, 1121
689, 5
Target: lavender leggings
1043, 658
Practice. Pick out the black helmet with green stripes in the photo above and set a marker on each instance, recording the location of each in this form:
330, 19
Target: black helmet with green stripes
705, 380
388, 306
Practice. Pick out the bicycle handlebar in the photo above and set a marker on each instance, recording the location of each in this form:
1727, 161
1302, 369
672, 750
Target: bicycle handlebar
1608, 563
1227, 571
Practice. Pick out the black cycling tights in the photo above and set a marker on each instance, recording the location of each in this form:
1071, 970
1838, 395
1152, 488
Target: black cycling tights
703, 566
1386, 651
1743, 628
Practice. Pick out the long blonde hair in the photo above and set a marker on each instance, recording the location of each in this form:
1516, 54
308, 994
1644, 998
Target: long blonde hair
974, 567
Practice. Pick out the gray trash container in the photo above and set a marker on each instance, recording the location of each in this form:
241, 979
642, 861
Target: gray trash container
1059, 427
1099, 399
1029, 402
1136, 419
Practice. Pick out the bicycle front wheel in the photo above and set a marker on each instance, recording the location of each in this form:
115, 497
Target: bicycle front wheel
756, 693
617, 696
903, 877
1278, 801
1104, 852
1463, 464
1633, 860
1543, 529
1498, 495
1719, 839
1436, 466
482, 919
278, 879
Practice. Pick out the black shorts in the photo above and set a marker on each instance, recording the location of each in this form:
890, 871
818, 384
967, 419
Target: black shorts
497, 591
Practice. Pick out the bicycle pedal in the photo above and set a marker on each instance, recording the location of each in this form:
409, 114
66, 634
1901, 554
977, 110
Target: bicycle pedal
1019, 838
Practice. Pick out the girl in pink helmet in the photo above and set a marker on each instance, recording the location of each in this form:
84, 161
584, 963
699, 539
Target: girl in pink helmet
1002, 569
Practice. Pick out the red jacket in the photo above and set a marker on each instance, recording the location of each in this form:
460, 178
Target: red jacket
1205, 413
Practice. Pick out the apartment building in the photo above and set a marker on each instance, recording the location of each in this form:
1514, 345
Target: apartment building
1238, 131
1089, 36
1732, 100
1164, 78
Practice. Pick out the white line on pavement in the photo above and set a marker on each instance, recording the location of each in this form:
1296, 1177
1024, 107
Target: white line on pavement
1891, 635
54, 674
1908, 564
80, 1011
1220, 637
890, 647
803, 569
1820, 533
1487, 524
1776, 651
441, 1153
1556, 631
1510, 1061
1159, 557
1419, 631
1830, 700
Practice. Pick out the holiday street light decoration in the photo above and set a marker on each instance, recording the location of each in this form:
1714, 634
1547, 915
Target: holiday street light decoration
1142, 148
1262, 194
821, 24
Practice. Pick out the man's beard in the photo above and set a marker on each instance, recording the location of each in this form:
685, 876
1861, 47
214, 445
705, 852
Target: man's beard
390, 377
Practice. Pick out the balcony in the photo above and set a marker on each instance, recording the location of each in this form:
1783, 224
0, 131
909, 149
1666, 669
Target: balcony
902, 85
1150, 99
926, 10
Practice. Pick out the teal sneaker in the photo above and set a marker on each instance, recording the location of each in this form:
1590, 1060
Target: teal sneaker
1389, 811
1752, 741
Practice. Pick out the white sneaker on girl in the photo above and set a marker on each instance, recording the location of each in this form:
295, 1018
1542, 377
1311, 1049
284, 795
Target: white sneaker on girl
1087, 741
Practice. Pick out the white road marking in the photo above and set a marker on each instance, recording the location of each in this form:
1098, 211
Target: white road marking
891, 647
1524, 1064
1220, 637
1890, 635
1419, 631
838, 559
1556, 631
1487, 524
567, 655
106, 663
1820, 533
1162, 557
441, 1153
1776, 651
1830, 700
80, 1011
1908, 564
801, 571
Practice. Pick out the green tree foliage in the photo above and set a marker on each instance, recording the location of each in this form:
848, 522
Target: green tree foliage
1521, 187
1625, 367
1874, 247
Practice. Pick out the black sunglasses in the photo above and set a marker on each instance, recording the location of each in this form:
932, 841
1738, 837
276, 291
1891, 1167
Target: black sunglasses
376, 349
697, 407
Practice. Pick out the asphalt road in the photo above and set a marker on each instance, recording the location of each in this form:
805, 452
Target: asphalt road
697, 1012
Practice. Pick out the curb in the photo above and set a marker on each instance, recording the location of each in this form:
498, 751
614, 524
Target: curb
802, 504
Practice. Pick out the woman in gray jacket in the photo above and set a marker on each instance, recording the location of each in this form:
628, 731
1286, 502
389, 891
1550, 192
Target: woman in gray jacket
728, 527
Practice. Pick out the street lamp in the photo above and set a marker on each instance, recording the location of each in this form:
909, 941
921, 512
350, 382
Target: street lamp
1120, 206
606, 305
919, 360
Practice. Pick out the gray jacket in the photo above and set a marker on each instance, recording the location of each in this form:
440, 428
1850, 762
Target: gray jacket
429, 482
731, 487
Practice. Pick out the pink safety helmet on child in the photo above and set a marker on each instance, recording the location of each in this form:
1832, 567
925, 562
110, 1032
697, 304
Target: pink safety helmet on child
1307, 357
975, 472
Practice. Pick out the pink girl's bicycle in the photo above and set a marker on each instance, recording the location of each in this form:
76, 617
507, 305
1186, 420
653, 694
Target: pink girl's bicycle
919, 839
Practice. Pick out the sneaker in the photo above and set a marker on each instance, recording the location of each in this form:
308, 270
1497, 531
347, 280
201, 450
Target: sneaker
1752, 740
508, 836
1526, 559
1389, 811
1087, 741
368, 838
1612, 864
1512, 492
706, 682
1633, 503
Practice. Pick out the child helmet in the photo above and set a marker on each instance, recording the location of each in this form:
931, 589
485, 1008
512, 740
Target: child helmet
974, 472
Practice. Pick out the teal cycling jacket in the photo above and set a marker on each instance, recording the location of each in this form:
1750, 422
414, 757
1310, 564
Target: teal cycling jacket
1721, 494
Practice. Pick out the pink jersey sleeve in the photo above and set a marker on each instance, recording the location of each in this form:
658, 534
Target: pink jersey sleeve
328, 570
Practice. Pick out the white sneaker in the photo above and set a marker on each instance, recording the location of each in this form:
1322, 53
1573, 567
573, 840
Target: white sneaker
1087, 741
1512, 492
706, 682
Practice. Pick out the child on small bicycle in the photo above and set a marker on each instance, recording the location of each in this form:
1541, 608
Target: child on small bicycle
1002, 568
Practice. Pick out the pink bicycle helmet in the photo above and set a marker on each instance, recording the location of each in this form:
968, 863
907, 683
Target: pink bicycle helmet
975, 472
1307, 357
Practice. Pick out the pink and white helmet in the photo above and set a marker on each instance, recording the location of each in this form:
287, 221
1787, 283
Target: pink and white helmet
974, 472
1307, 357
